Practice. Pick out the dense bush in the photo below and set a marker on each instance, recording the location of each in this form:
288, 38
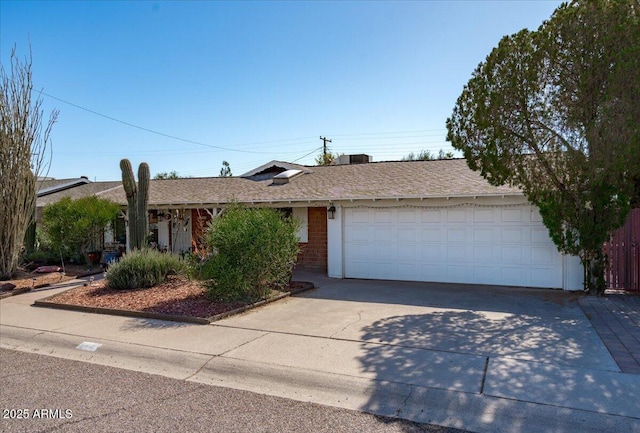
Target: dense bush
143, 268
42, 256
72, 228
254, 250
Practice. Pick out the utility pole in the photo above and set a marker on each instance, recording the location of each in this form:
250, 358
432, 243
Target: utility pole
324, 147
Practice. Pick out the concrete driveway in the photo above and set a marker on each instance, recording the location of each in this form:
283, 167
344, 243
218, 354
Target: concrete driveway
473, 357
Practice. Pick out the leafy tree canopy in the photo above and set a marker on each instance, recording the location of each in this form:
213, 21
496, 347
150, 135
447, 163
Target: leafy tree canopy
555, 112
73, 226
167, 175
426, 155
326, 158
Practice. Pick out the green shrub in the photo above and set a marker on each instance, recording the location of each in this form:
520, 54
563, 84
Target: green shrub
254, 250
143, 268
42, 256
72, 228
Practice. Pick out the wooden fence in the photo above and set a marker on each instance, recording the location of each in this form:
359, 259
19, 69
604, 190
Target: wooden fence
623, 251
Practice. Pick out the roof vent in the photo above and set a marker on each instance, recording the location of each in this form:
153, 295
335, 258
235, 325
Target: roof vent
286, 176
354, 159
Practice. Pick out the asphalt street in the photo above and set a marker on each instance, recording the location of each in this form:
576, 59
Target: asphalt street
44, 394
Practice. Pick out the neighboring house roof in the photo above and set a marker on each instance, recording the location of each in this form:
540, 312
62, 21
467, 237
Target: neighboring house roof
378, 180
279, 165
50, 186
75, 191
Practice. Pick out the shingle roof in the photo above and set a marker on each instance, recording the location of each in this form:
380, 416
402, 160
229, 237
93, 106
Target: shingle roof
79, 191
381, 180
51, 186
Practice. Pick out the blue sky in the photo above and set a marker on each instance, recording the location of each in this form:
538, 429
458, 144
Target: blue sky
192, 84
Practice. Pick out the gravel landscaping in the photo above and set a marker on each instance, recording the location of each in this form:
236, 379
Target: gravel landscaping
177, 296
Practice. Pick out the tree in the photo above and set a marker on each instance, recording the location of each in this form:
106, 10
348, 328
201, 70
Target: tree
167, 175
426, 155
24, 156
555, 112
225, 171
74, 227
326, 158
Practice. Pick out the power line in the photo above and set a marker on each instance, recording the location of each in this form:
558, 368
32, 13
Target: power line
389, 132
173, 137
345, 143
304, 156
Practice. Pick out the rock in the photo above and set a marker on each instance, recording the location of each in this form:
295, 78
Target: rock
7, 287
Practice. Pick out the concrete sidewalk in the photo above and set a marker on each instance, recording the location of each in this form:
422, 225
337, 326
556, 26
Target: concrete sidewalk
484, 359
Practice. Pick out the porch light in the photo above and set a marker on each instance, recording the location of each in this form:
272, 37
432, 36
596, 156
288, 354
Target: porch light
331, 212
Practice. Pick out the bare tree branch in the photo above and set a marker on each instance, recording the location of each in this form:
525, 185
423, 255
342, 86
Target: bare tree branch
25, 155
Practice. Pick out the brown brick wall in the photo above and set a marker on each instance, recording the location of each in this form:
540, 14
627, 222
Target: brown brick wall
313, 254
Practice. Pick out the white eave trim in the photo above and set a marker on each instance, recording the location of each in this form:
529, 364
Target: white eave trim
324, 200
285, 165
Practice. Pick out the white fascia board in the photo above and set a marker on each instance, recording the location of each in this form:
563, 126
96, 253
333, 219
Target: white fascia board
289, 202
285, 165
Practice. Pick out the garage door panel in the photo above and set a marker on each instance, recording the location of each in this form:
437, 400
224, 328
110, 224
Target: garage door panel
361, 253
357, 216
408, 252
434, 273
359, 233
535, 216
485, 235
457, 216
408, 271
541, 255
484, 254
488, 274
539, 235
433, 253
511, 215
406, 216
544, 276
504, 246
433, 234
458, 253
383, 234
457, 274
383, 252
432, 216
383, 270
407, 234
511, 254
484, 216
513, 276
382, 216
457, 234
513, 235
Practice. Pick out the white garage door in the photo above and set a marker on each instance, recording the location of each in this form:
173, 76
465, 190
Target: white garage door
475, 245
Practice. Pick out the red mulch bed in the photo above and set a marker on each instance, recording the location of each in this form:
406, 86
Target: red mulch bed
176, 296
26, 279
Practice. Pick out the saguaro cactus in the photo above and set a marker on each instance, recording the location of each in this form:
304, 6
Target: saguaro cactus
142, 205
138, 199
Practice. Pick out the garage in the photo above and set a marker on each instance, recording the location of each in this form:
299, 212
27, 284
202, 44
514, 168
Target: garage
467, 243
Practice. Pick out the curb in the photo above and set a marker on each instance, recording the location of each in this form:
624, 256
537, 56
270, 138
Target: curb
47, 303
